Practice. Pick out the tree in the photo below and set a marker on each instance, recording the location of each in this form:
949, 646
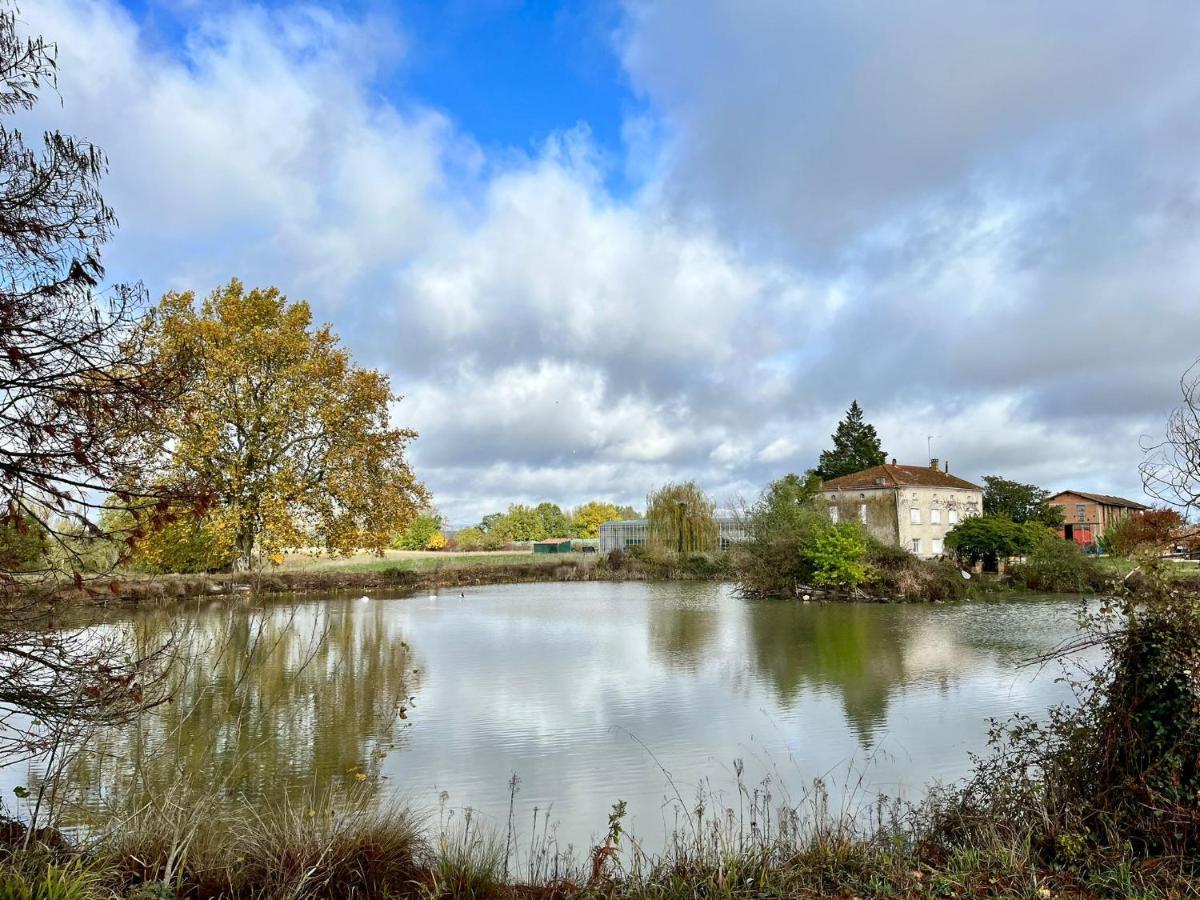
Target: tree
780, 527
523, 523
856, 446
1155, 528
587, 519
420, 533
470, 538
75, 386
23, 546
628, 512
554, 521
989, 539
291, 438
1019, 502
187, 544
681, 519
1171, 468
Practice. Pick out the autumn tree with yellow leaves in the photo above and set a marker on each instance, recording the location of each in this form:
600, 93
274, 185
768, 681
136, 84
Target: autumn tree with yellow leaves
291, 439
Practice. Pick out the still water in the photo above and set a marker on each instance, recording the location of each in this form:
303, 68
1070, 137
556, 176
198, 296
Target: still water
589, 693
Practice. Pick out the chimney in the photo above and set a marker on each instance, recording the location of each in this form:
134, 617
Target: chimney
893, 460
946, 467
933, 463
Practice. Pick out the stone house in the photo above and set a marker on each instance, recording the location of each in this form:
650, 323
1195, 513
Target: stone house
1086, 516
906, 506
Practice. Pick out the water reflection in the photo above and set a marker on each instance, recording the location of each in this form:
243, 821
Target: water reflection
852, 649
267, 700
683, 625
590, 693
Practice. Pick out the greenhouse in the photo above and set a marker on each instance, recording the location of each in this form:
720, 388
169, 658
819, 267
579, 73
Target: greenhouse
618, 535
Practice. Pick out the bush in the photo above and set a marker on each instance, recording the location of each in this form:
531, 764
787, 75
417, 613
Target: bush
838, 556
1058, 566
899, 574
1116, 769
705, 565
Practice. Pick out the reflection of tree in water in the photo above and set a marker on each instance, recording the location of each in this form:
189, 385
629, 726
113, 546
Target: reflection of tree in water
266, 701
681, 633
855, 649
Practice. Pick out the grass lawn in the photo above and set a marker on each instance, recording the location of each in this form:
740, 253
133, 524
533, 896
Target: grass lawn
1175, 568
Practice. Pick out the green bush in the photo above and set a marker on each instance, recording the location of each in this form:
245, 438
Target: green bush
1058, 566
838, 556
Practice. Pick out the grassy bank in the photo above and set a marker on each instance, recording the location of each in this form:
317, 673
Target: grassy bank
406, 574
194, 846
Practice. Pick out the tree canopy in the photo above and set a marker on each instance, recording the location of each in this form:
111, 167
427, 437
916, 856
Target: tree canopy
290, 438
681, 519
1019, 502
856, 446
988, 539
587, 519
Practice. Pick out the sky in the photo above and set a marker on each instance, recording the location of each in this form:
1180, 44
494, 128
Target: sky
603, 245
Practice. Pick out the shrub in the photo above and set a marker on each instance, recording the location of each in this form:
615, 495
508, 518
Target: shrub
838, 555
899, 574
1058, 566
703, 565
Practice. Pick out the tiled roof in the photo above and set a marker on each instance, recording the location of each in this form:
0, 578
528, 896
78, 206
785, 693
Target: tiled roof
898, 476
1105, 499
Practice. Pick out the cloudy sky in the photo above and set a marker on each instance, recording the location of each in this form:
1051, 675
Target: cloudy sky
602, 245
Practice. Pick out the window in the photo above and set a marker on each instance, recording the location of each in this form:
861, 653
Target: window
1080, 512
935, 517
952, 517
862, 513
916, 545
914, 515
937, 546
833, 514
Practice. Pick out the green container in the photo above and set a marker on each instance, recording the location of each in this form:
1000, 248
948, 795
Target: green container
557, 545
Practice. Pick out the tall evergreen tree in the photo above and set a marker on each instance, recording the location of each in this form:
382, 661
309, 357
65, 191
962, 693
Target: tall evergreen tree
855, 447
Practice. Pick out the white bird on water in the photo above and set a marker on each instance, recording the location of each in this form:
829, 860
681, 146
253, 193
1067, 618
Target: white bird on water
363, 599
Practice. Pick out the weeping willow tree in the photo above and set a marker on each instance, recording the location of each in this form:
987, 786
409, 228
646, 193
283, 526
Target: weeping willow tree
681, 519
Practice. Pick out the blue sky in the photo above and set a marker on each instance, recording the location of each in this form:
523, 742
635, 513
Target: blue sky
599, 246
508, 72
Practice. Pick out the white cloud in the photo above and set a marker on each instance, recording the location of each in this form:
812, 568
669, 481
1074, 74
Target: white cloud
979, 220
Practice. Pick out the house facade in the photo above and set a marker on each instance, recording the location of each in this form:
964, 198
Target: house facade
912, 507
1086, 516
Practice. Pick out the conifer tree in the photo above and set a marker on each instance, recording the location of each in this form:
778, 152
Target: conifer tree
856, 447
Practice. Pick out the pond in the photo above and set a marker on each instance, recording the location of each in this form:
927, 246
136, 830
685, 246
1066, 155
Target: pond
589, 693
